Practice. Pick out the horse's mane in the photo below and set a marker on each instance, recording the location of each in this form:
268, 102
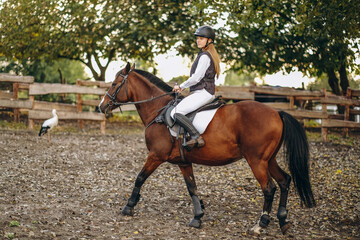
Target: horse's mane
154, 80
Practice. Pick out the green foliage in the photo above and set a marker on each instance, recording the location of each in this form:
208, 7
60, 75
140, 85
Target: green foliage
179, 79
70, 70
146, 65
88, 31
322, 83
12, 125
48, 72
316, 37
14, 224
311, 123
125, 117
11, 235
243, 79
313, 36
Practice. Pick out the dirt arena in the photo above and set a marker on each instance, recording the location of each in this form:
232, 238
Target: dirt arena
75, 186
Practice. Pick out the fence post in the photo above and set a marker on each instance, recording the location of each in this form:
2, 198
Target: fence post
103, 127
347, 112
324, 133
31, 121
15, 96
79, 106
292, 100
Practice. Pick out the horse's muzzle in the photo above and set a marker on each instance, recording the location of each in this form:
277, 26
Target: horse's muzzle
105, 110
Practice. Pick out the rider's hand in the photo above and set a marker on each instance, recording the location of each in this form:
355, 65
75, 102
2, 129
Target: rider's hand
177, 89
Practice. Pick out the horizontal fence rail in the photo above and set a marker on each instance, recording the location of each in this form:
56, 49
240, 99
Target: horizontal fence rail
4, 77
56, 88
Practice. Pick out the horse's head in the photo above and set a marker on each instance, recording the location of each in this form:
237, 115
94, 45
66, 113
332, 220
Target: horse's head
118, 92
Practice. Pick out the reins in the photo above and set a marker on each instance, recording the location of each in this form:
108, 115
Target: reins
143, 101
119, 104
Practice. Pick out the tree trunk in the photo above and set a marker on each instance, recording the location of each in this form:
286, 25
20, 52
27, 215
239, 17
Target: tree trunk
333, 81
334, 84
99, 76
62, 81
344, 81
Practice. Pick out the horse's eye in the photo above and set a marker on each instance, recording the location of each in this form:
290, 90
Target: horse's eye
113, 84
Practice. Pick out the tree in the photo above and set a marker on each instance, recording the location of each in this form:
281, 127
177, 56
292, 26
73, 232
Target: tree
48, 71
243, 79
94, 32
178, 80
314, 36
322, 83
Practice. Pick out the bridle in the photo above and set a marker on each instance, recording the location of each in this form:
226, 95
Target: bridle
112, 97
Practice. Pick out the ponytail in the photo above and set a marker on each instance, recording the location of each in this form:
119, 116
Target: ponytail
215, 57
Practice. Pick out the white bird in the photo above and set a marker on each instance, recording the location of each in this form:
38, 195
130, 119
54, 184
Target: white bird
49, 124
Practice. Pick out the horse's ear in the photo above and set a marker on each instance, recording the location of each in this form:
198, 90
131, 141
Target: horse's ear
127, 68
133, 66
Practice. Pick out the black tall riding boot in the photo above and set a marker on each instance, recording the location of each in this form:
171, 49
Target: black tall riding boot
196, 139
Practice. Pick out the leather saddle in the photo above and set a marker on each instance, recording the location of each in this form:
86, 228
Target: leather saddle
164, 116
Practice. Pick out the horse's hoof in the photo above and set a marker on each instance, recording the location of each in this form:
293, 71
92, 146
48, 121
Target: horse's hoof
285, 227
196, 223
128, 211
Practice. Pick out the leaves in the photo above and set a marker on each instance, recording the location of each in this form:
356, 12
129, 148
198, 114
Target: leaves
84, 30
311, 36
14, 224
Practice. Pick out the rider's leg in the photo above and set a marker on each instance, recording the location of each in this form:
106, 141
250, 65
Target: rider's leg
189, 104
196, 140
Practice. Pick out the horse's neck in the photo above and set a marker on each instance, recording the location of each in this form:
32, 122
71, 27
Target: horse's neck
149, 110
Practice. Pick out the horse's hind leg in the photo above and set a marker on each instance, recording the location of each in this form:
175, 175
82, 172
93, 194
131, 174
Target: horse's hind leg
187, 171
150, 166
283, 179
268, 187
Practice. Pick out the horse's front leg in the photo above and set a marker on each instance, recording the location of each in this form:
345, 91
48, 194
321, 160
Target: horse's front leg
150, 166
187, 171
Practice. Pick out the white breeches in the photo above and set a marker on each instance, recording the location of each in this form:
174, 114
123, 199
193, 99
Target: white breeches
192, 102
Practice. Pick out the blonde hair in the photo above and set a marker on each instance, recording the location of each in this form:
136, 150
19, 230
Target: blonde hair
215, 57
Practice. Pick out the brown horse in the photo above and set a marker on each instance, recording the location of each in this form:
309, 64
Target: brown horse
245, 129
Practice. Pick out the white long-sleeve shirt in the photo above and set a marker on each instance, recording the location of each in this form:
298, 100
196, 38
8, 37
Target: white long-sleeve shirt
203, 65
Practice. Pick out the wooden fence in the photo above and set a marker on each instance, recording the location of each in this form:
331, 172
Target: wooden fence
298, 103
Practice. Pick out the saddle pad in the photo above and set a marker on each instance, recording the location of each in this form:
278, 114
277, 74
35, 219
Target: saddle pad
201, 121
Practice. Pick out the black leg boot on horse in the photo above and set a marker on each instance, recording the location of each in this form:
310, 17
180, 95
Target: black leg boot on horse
196, 139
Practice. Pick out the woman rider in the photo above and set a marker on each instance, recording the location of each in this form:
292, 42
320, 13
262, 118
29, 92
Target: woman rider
201, 82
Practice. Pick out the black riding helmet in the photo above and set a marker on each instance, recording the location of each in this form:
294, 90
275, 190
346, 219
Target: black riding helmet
205, 31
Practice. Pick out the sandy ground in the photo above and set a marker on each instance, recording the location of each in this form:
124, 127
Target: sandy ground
75, 187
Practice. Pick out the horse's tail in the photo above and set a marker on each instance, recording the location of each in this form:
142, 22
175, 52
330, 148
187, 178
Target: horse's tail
297, 157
